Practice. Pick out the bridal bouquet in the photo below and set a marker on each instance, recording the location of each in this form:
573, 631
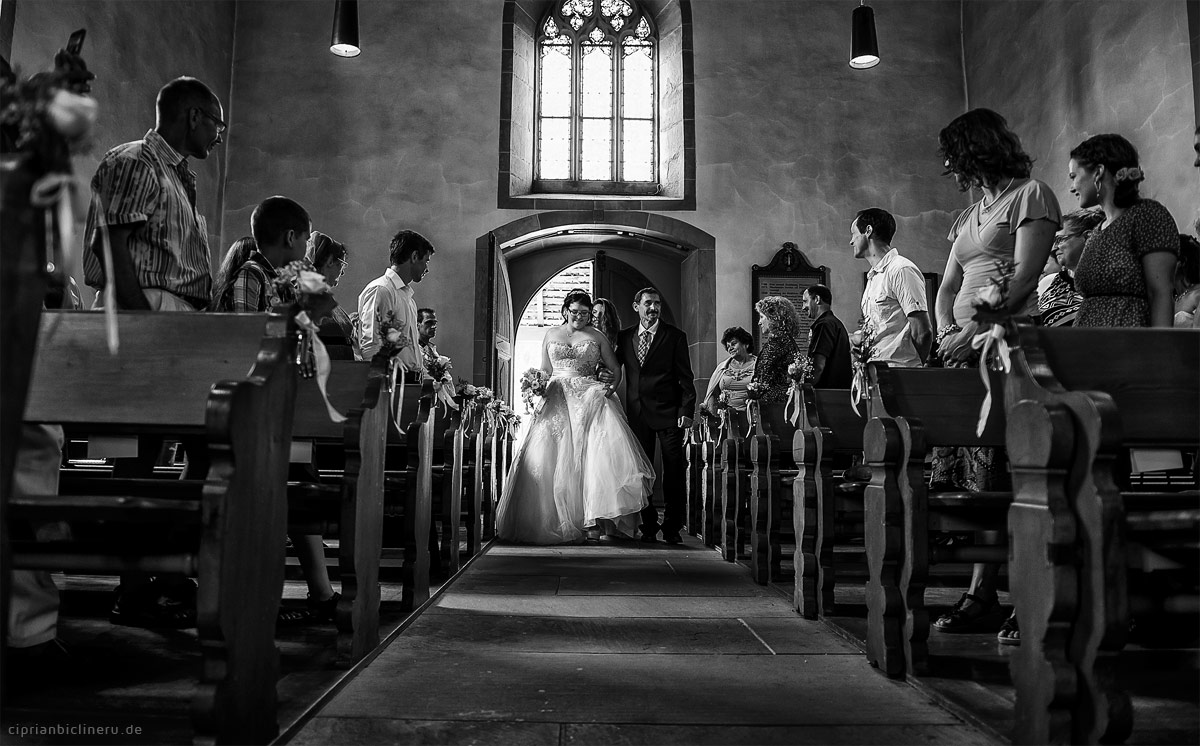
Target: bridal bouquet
533, 387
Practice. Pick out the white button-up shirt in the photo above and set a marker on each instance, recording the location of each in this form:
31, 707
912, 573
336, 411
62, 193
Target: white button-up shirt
381, 295
895, 289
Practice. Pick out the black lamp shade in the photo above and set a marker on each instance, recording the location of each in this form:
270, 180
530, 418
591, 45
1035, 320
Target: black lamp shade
345, 29
864, 47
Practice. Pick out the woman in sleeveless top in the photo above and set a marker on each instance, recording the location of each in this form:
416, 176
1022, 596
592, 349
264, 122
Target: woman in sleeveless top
580, 466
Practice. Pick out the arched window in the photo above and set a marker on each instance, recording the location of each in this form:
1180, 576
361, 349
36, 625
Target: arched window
596, 99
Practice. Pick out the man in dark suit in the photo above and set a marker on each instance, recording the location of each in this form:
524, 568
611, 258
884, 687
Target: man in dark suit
660, 400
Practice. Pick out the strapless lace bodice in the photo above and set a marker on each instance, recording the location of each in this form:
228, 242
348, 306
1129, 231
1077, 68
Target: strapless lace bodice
577, 359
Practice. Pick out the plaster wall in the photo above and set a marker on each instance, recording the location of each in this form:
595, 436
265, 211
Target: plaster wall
791, 142
134, 48
1087, 68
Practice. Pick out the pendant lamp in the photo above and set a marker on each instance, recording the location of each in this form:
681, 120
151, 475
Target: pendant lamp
864, 47
345, 29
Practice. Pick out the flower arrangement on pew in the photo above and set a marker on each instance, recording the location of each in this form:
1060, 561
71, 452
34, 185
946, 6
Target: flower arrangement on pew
994, 319
44, 119
394, 337
438, 367
299, 282
800, 370
862, 349
533, 388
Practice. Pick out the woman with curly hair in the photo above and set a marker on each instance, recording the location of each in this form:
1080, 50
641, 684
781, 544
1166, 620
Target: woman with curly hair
1013, 222
779, 324
1125, 272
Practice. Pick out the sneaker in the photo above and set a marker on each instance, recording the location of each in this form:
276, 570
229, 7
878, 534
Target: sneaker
971, 614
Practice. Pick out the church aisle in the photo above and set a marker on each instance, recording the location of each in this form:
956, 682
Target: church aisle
625, 643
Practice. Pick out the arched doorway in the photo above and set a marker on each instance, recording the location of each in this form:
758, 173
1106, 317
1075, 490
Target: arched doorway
517, 258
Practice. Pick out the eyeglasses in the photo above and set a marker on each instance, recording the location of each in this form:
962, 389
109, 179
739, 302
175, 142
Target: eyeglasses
580, 314
1060, 240
221, 126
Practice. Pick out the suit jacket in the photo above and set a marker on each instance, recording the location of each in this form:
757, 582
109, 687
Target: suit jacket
661, 389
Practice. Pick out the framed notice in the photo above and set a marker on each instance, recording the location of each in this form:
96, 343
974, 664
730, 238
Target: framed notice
789, 274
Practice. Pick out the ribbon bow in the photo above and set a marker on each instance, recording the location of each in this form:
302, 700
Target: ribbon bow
858, 386
396, 371
320, 356
795, 405
444, 388
987, 342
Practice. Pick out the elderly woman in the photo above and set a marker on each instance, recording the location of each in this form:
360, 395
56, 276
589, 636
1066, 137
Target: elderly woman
1013, 224
329, 258
1125, 273
779, 324
1187, 283
731, 378
1058, 300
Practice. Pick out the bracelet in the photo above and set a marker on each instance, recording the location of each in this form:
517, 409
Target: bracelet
946, 331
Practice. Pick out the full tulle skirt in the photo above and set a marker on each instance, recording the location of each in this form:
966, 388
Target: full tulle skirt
579, 464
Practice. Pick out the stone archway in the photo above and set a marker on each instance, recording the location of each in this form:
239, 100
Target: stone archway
660, 236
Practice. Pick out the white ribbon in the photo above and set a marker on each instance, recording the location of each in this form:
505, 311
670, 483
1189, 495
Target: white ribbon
321, 356
110, 285
795, 405
986, 342
396, 372
858, 386
443, 389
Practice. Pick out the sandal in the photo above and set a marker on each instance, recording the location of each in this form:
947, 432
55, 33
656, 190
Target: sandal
979, 616
324, 611
1010, 633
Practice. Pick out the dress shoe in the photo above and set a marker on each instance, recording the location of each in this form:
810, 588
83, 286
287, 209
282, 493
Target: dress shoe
649, 539
672, 537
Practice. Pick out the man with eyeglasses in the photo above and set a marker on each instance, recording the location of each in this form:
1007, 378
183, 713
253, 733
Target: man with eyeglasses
144, 205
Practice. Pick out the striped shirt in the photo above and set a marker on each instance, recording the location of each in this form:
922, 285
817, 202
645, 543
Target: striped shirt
148, 184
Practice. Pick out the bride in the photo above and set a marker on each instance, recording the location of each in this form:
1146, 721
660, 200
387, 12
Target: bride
580, 466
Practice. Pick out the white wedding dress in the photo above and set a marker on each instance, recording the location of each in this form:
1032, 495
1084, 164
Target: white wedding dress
579, 462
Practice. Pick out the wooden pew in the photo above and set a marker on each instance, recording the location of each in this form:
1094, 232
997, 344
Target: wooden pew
771, 475
351, 508
703, 479
830, 429
733, 487
917, 409
1075, 399
408, 489
448, 487
163, 381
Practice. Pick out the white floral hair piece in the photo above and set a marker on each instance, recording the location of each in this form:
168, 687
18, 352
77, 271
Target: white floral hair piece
1129, 173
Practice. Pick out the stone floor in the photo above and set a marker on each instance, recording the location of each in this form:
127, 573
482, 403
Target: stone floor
622, 644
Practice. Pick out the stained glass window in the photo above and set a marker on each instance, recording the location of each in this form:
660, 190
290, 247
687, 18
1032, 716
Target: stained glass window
597, 93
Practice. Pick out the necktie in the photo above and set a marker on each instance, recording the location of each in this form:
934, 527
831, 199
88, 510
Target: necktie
643, 347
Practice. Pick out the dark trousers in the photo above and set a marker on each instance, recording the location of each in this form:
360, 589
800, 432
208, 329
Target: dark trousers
674, 476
